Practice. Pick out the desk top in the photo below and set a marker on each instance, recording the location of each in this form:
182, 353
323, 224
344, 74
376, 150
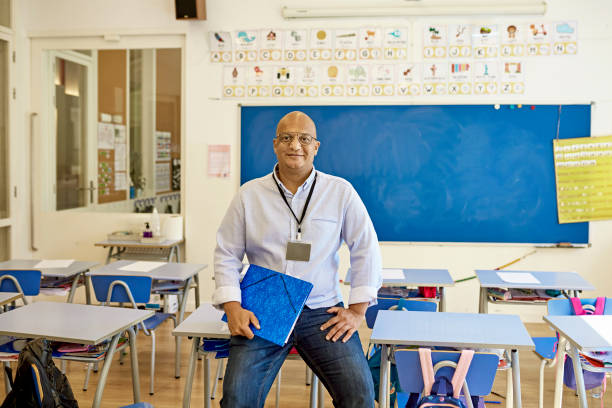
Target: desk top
415, 277
69, 322
446, 329
168, 271
205, 321
167, 243
74, 269
8, 297
587, 333
548, 280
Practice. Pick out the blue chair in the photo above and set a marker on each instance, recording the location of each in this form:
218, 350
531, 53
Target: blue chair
397, 304
139, 405
131, 290
547, 347
26, 282
479, 379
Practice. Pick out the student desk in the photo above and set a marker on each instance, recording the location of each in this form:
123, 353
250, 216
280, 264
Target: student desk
564, 281
8, 297
584, 334
461, 330
76, 270
183, 272
83, 324
440, 278
164, 250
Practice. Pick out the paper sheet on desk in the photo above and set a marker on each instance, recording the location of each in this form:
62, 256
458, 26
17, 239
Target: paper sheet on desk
54, 263
142, 266
389, 274
518, 277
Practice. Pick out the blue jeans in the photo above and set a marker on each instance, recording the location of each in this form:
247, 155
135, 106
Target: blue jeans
341, 367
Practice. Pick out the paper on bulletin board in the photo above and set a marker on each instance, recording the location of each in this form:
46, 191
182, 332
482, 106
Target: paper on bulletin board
120, 157
582, 171
120, 181
162, 177
219, 160
106, 135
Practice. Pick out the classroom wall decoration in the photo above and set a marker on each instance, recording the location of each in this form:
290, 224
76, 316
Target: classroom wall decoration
456, 59
584, 188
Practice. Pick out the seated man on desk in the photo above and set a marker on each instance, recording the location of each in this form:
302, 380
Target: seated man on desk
297, 204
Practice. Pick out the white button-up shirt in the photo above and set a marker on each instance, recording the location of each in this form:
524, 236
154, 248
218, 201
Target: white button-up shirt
259, 224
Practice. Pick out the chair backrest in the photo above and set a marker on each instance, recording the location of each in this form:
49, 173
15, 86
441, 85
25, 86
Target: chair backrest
399, 304
28, 280
563, 307
139, 287
480, 376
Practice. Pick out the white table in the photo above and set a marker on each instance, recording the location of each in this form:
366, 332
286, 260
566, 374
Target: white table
584, 334
184, 272
164, 250
461, 330
83, 324
439, 278
76, 270
564, 281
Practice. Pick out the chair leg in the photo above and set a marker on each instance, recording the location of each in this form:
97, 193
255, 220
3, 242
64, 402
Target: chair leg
314, 389
152, 384
308, 375
321, 395
87, 374
509, 389
278, 385
63, 367
218, 377
541, 394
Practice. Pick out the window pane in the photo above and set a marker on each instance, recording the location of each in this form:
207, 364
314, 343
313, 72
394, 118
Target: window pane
71, 111
4, 156
5, 248
5, 13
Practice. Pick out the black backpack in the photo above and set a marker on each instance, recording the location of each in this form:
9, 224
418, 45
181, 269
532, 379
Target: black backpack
38, 384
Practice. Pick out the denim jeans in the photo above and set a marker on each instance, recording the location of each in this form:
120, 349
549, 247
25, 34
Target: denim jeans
341, 367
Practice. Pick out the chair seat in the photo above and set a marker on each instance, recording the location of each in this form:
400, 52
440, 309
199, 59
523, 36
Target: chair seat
139, 405
545, 347
158, 318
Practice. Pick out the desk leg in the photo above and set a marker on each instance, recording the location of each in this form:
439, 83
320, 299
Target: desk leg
104, 373
207, 403
559, 372
314, 389
320, 395
442, 299
385, 367
483, 306
109, 256
516, 379
7, 383
134, 364
178, 253
193, 359
181, 314
88, 286
582, 398
171, 254
196, 278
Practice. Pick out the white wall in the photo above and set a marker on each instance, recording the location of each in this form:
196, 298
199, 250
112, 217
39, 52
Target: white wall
209, 120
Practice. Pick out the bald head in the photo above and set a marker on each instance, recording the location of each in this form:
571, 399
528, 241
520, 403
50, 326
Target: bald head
296, 122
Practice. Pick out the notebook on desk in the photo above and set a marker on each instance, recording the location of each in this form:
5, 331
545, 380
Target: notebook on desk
276, 300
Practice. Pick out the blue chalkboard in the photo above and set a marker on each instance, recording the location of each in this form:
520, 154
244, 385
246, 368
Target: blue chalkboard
441, 173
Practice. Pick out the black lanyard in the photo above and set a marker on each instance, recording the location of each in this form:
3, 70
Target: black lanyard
299, 222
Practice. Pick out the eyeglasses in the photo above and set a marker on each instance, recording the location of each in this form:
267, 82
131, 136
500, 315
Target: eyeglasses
304, 138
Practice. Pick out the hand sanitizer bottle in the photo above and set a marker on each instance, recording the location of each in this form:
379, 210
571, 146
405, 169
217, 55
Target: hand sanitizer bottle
147, 233
155, 222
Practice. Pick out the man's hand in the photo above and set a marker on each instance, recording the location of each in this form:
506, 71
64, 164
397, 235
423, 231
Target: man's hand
239, 319
346, 321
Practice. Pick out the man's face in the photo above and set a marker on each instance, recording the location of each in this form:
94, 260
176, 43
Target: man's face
291, 145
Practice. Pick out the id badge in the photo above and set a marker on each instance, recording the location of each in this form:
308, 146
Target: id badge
298, 251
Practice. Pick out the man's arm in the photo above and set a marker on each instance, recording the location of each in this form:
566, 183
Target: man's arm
239, 320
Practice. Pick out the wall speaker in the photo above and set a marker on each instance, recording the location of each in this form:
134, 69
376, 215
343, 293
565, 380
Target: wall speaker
190, 9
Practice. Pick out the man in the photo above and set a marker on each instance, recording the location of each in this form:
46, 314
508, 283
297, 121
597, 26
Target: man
298, 205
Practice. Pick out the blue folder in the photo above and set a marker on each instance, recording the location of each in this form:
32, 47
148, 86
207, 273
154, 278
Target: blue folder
276, 300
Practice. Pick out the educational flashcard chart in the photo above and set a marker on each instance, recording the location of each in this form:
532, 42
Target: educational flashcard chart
332, 80
245, 45
395, 43
582, 170
435, 78
307, 80
296, 45
435, 40
321, 44
357, 80
382, 80
259, 80
220, 45
346, 45
459, 41
512, 41
538, 39
234, 81
283, 79
486, 77
565, 38
271, 45
408, 77
370, 43
485, 40
512, 78
459, 79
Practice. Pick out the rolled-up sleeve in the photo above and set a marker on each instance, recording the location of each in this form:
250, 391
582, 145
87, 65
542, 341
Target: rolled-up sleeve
229, 253
366, 265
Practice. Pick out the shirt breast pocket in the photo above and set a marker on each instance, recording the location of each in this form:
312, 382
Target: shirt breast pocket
324, 227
